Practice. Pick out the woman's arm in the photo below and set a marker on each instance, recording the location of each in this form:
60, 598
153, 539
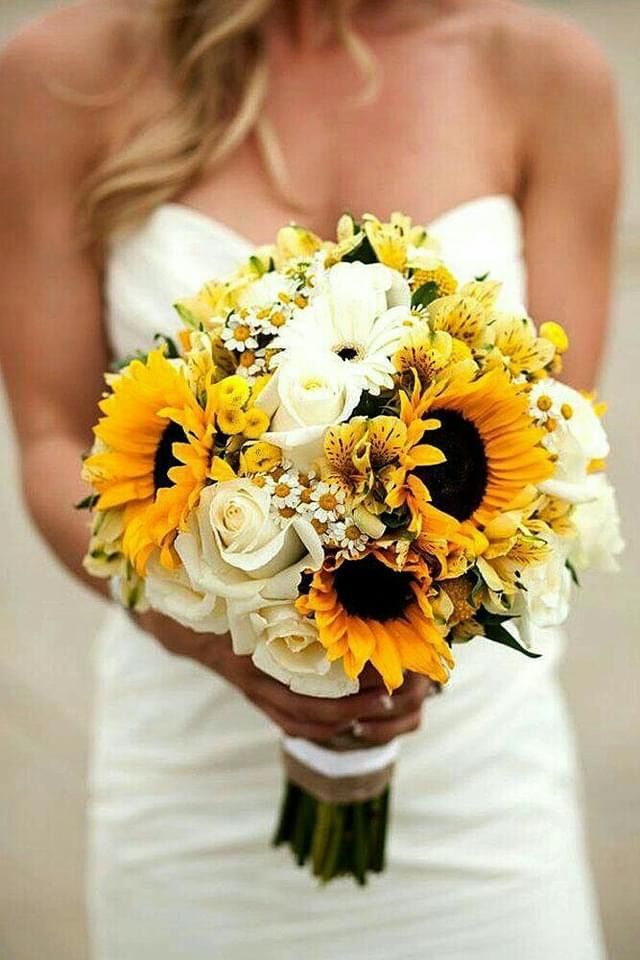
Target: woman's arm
570, 190
51, 340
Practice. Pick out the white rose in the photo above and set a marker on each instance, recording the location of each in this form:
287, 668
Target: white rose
307, 394
286, 646
547, 586
576, 440
104, 557
172, 593
350, 285
597, 522
233, 549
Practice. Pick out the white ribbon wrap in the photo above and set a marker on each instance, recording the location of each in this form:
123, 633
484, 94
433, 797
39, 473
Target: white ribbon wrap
336, 763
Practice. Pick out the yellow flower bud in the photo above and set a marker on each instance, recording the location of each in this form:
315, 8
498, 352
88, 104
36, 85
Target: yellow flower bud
233, 392
556, 334
256, 422
260, 457
231, 420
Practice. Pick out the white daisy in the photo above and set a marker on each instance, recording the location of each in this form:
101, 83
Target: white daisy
238, 333
286, 491
326, 502
252, 364
352, 541
359, 315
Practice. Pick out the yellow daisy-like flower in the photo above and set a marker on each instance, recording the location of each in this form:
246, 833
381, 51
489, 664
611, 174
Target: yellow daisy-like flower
503, 562
366, 611
426, 352
491, 449
521, 350
153, 455
347, 456
295, 242
388, 240
444, 280
231, 420
556, 334
467, 313
234, 391
360, 454
260, 457
256, 423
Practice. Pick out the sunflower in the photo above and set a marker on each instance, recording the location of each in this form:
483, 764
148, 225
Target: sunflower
366, 611
152, 455
491, 448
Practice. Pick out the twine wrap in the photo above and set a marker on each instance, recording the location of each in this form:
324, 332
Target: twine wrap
342, 772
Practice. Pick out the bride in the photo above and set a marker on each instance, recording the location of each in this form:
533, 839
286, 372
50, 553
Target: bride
146, 147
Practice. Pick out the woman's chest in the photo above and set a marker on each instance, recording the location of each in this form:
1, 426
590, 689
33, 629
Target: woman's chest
422, 131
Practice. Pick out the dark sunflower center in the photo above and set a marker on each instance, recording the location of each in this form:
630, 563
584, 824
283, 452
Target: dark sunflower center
369, 589
165, 459
458, 485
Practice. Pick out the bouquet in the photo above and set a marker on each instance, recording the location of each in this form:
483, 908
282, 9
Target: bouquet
348, 458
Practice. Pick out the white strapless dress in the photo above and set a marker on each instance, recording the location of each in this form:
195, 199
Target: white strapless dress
486, 858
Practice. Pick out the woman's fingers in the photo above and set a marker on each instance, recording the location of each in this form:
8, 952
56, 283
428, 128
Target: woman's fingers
383, 731
317, 710
295, 726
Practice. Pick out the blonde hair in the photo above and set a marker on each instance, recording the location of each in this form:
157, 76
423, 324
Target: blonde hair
218, 70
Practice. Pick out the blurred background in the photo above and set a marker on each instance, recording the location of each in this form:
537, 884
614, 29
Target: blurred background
47, 624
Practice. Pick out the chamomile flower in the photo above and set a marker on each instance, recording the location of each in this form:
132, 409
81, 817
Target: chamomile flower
352, 542
286, 491
326, 502
238, 333
252, 364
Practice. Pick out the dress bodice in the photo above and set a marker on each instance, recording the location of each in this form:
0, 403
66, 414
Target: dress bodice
178, 249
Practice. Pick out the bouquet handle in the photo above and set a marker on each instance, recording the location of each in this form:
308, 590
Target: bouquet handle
335, 807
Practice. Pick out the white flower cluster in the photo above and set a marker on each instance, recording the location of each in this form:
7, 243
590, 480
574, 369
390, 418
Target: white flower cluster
320, 502
575, 437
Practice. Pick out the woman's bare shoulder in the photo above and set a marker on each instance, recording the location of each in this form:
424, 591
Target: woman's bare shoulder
62, 69
537, 50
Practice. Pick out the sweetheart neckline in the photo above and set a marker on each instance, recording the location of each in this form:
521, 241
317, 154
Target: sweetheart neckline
234, 236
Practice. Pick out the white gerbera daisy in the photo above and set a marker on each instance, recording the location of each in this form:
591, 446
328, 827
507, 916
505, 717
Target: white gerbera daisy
359, 315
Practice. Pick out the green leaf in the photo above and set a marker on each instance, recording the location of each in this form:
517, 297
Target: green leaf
572, 570
487, 617
185, 315
482, 278
257, 264
362, 253
119, 365
395, 519
425, 294
497, 633
172, 352
88, 503
370, 406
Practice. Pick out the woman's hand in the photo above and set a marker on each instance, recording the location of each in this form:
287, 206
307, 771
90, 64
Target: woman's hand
371, 714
